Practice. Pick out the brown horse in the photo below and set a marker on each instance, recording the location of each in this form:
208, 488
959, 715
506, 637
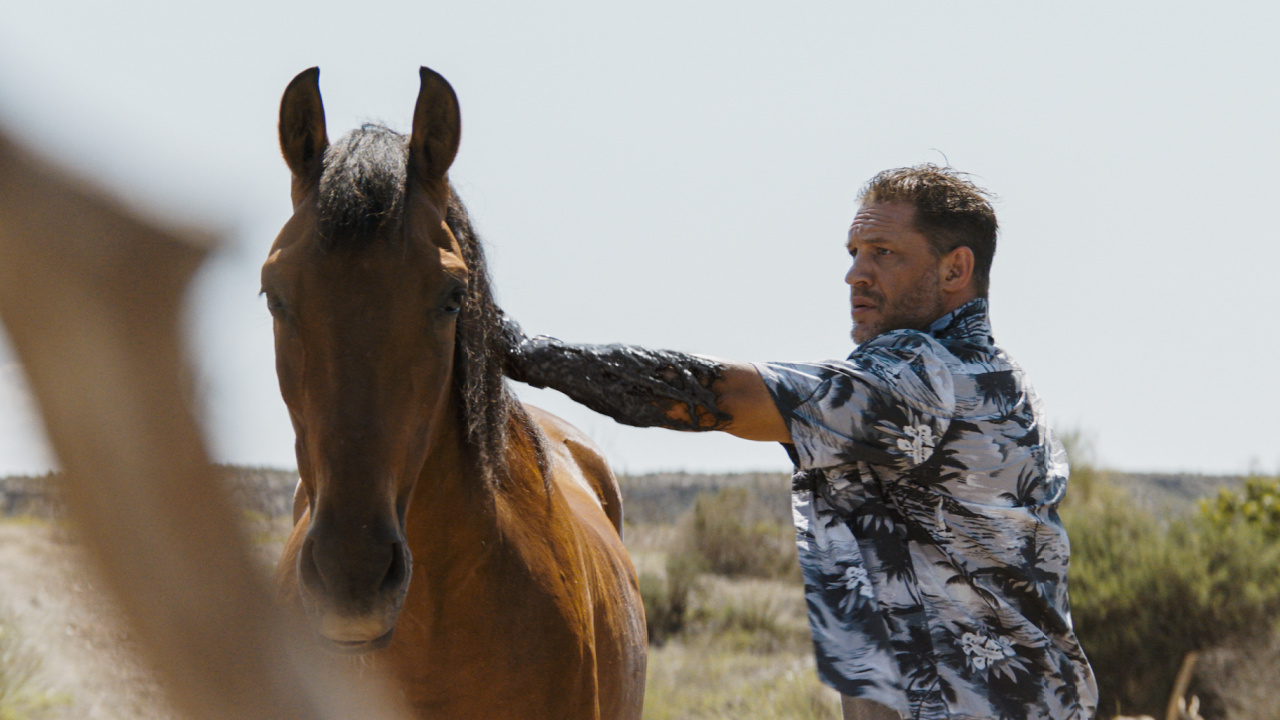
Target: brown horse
415, 460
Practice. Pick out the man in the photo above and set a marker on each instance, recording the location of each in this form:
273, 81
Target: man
927, 480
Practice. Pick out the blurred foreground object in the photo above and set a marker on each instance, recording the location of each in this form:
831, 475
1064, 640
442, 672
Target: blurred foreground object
91, 297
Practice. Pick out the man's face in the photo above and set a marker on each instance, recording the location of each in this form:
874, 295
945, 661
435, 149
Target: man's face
894, 281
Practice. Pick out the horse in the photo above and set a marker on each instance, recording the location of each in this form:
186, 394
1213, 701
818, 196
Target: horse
466, 543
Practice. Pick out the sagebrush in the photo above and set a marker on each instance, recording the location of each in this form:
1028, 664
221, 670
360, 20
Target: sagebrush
1257, 503
734, 534
666, 598
1147, 589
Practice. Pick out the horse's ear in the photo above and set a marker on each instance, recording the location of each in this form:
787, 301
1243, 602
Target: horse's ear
302, 132
437, 127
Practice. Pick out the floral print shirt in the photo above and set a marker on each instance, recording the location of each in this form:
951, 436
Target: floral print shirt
925, 503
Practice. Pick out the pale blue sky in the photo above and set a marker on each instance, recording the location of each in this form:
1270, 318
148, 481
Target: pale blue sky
683, 174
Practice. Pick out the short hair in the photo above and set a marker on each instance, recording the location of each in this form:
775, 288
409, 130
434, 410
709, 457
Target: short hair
951, 211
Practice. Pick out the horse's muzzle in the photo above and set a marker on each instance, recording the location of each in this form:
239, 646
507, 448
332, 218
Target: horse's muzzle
352, 591
355, 647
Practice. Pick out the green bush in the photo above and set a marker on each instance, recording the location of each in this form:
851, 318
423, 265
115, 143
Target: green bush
1146, 590
666, 598
734, 534
1256, 504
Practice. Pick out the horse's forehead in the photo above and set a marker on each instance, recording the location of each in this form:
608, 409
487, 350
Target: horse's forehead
301, 259
300, 226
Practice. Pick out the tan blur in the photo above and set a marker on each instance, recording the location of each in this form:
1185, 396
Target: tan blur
91, 297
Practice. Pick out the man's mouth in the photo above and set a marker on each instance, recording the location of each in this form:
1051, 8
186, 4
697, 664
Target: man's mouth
862, 306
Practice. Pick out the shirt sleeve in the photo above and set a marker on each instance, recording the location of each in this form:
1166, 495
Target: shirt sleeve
888, 403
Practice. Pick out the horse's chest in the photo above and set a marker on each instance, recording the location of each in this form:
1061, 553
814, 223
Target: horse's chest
514, 649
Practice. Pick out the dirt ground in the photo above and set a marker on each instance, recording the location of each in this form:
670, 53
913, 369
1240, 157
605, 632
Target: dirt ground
86, 669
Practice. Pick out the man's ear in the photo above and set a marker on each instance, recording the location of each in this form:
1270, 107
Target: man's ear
956, 269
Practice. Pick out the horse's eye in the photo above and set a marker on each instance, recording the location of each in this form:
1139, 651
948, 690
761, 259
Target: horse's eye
275, 305
454, 304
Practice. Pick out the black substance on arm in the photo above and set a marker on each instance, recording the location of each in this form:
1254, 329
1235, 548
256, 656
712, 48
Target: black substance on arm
633, 385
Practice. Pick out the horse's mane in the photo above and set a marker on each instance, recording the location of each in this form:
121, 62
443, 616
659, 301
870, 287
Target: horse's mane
361, 196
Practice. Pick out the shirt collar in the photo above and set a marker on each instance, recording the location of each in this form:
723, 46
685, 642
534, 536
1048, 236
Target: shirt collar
967, 322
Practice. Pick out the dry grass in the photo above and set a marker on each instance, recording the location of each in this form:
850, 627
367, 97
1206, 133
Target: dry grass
20, 696
748, 615
1239, 683
702, 678
17, 668
743, 649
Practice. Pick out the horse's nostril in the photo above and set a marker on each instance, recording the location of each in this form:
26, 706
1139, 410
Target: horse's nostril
308, 571
353, 573
398, 571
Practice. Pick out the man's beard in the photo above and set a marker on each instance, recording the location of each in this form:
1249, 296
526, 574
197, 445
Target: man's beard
914, 311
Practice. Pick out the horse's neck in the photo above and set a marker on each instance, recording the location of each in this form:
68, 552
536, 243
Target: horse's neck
443, 498
459, 520
455, 508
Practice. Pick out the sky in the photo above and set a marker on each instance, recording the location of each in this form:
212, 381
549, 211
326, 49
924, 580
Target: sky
683, 174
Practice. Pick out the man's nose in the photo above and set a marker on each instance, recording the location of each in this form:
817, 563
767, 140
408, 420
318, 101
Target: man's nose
859, 273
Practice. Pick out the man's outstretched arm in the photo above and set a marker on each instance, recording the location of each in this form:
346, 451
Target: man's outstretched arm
649, 388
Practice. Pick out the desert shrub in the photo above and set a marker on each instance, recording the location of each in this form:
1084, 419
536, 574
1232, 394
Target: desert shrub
735, 534
1146, 590
1257, 504
666, 597
750, 614
747, 621
661, 620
